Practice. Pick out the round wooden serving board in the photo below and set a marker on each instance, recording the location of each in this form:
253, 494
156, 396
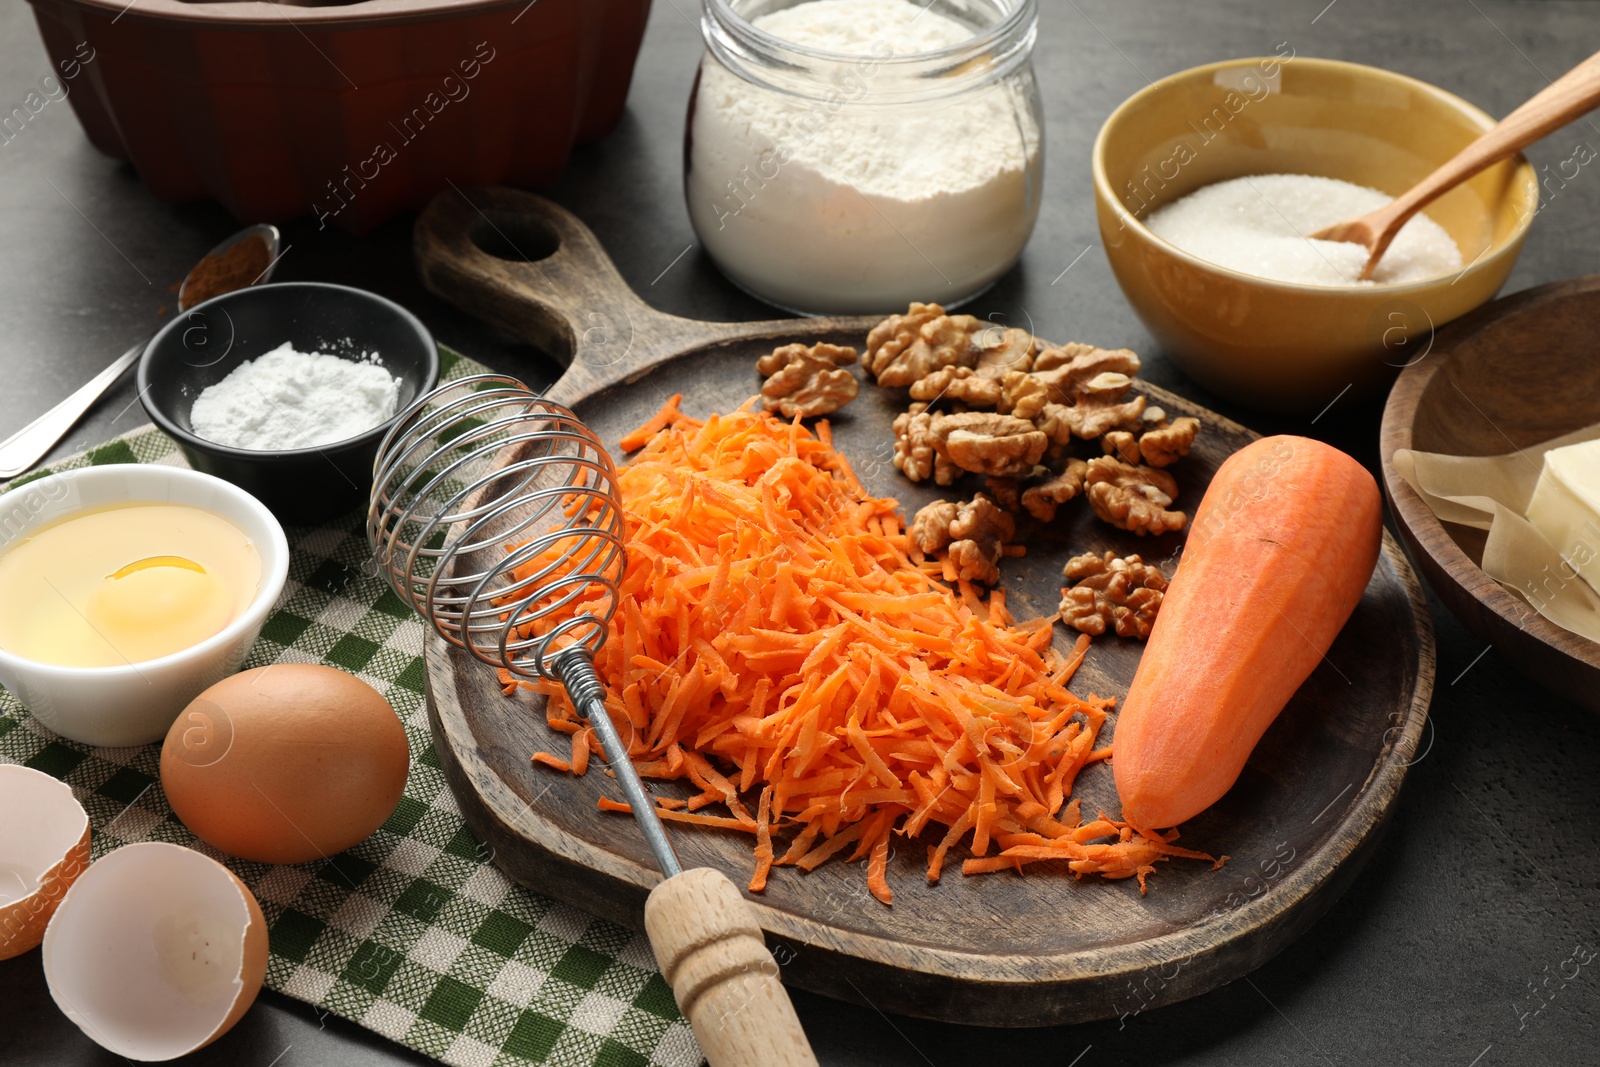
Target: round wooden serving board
994, 950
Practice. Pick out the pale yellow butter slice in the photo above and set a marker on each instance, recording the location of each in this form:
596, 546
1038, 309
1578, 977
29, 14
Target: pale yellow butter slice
1565, 506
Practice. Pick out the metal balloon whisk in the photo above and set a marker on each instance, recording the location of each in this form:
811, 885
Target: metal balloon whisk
495, 513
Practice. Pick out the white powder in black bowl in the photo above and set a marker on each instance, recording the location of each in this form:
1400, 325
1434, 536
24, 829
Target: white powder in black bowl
287, 399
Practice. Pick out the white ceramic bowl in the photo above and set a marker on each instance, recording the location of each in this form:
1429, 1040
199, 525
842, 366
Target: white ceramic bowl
134, 704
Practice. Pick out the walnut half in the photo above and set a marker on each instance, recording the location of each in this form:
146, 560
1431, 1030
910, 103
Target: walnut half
975, 533
914, 453
807, 381
1009, 392
1004, 351
987, 443
1043, 499
1133, 498
903, 349
1100, 408
960, 385
1086, 391
1123, 594
1160, 445
930, 528
1069, 370
1165, 445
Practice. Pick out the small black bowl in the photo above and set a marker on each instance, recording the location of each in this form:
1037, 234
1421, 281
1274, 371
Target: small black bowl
203, 345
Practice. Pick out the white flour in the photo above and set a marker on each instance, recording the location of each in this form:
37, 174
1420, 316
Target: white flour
861, 206
1254, 225
288, 399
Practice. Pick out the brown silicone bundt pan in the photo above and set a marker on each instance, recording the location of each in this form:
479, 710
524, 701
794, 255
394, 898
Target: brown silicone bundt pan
351, 112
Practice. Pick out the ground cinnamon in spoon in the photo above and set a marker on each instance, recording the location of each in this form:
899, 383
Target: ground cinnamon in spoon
222, 272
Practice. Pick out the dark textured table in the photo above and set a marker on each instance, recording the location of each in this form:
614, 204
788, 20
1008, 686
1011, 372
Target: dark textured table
1452, 948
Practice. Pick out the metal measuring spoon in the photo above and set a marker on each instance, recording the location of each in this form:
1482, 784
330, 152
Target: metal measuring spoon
24, 448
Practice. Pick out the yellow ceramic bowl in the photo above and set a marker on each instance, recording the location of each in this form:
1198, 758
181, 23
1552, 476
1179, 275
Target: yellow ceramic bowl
1277, 346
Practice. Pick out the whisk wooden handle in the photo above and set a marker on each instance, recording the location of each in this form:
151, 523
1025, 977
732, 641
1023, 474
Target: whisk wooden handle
726, 982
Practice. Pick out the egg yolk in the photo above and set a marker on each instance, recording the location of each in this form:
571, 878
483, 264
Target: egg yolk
157, 604
123, 584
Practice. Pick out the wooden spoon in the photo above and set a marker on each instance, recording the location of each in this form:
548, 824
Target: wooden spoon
1573, 94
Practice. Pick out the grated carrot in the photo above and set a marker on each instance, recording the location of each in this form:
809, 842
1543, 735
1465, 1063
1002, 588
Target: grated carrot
778, 630
669, 415
758, 880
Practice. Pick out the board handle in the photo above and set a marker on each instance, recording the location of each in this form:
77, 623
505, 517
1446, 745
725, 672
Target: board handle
710, 949
533, 269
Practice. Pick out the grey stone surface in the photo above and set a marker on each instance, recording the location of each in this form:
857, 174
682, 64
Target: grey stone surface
1449, 949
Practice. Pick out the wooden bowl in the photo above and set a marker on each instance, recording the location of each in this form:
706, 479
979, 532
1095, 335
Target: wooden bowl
1513, 373
1277, 346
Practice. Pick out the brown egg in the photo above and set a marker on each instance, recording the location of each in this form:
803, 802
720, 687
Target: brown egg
285, 764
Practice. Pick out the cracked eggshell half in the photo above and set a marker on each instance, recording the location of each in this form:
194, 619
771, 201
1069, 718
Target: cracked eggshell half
44, 846
156, 951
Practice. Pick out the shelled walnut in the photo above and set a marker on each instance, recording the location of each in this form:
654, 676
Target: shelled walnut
1042, 500
1123, 594
807, 380
960, 385
1089, 418
988, 443
1086, 391
1100, 405
903, 349
1011, 393
888, 340
1068, 368
1159, 445
1022, 395
1132, 498
930, 528
1165, 445
974, 534
1003, 351
1122, 444
914, 453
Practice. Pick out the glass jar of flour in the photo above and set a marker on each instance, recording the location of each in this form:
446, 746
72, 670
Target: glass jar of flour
851, 156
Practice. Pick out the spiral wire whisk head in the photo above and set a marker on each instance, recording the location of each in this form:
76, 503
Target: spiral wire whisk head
495, 514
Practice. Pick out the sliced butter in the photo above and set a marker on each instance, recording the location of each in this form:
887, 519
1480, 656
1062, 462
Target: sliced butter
1565, 506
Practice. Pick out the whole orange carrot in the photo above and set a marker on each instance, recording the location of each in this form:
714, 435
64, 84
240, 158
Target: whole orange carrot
1279, 554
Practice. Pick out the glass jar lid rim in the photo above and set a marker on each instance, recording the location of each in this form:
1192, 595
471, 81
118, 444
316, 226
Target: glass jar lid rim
1021, 17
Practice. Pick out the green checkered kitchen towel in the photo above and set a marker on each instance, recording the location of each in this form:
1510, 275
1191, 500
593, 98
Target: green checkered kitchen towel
412, 933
